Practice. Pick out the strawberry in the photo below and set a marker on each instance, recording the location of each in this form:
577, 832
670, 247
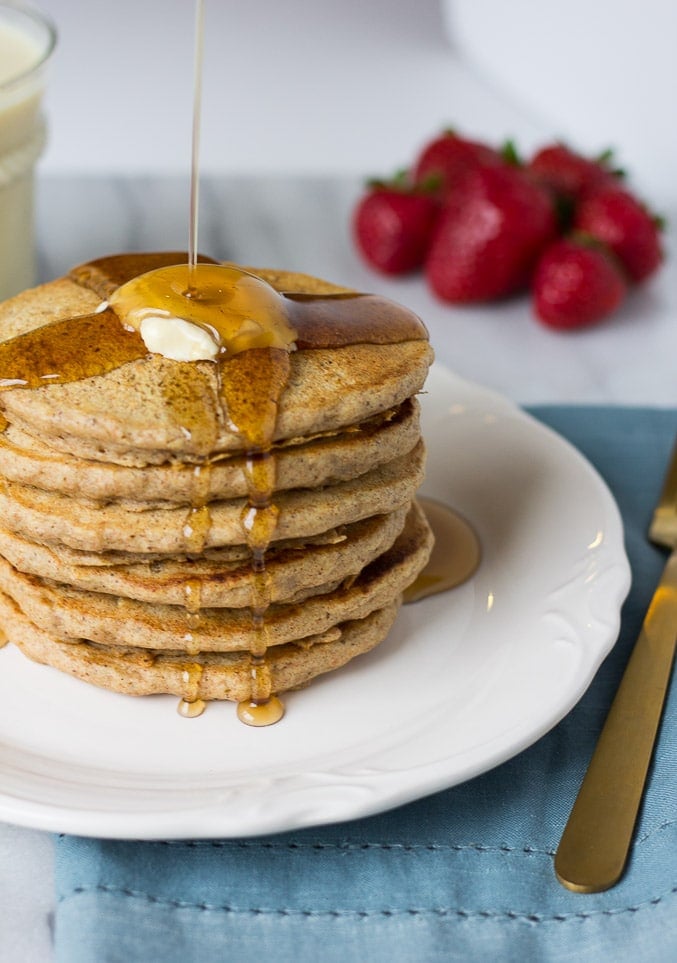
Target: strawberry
617, 218
393, 225
489, 236
568, 174
576, 283
448, 157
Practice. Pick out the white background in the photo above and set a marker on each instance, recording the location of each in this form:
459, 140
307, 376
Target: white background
299, 85
357, 85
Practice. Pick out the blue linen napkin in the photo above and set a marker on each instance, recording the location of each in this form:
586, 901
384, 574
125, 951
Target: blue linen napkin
465, 874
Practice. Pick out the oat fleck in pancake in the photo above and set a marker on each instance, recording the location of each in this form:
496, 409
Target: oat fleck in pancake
223, 524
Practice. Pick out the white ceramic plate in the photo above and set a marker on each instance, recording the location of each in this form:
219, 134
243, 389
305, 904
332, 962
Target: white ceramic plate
464, 681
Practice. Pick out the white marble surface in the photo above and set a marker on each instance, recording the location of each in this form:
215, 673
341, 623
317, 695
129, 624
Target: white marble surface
303, 223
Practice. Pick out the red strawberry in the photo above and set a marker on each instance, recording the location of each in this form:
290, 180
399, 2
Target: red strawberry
617, 218
570, 175
393, 227
489, 236
448, 158
576, 283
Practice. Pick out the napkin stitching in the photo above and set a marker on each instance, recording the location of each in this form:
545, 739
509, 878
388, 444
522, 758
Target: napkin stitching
656, 829
364, 914
403, 847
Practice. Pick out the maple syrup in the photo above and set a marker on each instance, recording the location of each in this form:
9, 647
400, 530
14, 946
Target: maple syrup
192, 591
191, 709
199, 520
261, 713
191, 644
190, 677
195, 142
191, 705
455, 556
68, 350
240, 309
253, 338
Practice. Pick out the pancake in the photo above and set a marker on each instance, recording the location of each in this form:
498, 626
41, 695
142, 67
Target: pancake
293, 571
72, 614
303, 463
328, 390
137, 414
226, 555
53, 519
210, 676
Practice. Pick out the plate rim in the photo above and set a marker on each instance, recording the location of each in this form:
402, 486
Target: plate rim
211, 820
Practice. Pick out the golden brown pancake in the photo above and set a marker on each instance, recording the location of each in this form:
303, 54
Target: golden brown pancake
92, 526
73, 614
129, 415
212, 675
322, 459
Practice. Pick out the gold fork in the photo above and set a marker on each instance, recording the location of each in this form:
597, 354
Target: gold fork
595, 843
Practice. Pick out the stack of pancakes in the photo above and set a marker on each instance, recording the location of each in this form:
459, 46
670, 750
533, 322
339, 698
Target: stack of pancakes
123, 559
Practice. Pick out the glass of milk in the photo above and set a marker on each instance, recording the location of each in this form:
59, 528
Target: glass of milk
27, 39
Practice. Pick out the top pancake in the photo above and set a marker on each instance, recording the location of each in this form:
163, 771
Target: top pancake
129, 416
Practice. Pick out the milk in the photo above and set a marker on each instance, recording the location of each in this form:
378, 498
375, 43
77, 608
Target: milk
25, 42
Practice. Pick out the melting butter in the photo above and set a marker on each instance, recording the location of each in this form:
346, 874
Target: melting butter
204, 312
177, 339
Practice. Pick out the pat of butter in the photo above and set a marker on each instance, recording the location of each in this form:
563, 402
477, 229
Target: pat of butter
177, 339
219, 312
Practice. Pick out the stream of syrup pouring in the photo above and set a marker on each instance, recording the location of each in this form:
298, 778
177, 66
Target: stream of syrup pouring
214, 302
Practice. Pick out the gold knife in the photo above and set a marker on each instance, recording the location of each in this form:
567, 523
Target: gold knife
594, 846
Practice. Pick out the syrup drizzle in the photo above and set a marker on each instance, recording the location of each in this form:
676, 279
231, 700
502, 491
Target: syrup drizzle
254, 341
68, 350
455, 556
191, 705
193, 602
196, 528
195, 146
198, 521
260, 515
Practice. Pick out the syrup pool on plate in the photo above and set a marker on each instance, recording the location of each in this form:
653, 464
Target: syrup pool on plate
455, 556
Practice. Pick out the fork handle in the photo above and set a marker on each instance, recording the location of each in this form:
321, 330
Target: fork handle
595, 843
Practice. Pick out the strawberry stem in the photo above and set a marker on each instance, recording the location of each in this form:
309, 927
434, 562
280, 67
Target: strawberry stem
510, 154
